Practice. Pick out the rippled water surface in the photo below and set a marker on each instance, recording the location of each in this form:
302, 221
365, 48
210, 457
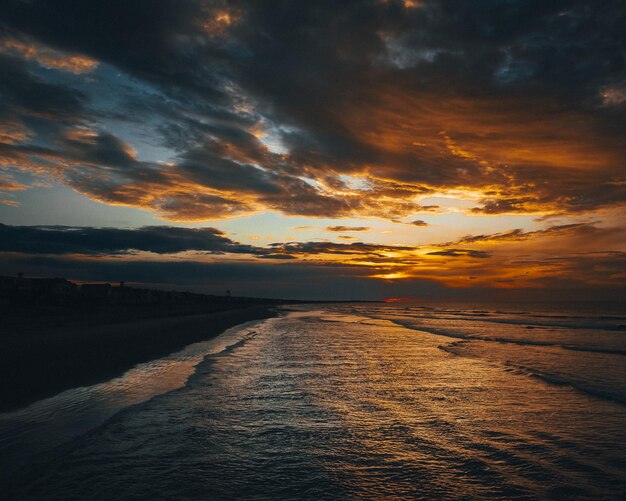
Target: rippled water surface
367, 401
39, 428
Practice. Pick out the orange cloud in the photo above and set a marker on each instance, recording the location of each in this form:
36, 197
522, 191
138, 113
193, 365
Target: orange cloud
348, 228
513, 259
13, 132
520, 157
8, 185
220, 20
49, 58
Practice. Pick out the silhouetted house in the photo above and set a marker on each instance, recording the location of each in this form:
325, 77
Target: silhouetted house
96, 291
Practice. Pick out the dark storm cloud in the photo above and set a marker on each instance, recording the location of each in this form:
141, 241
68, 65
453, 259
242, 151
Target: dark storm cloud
520, 100
99, 149
164, 240
23, 93
460, 253
312, 248
86, 240
502, 61
149, 38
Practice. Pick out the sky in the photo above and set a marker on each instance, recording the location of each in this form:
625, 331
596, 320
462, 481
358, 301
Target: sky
434, 149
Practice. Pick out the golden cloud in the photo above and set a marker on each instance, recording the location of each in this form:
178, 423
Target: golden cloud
48, 57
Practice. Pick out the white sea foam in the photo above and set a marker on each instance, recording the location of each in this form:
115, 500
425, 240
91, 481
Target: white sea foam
40, 427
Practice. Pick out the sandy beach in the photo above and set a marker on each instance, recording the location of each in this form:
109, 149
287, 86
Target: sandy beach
45, 362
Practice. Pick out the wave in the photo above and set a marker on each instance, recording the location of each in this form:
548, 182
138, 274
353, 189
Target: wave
40, 432
521, 342
544, 376
589, 323
606, 322
536, 313
204, 366
561, 381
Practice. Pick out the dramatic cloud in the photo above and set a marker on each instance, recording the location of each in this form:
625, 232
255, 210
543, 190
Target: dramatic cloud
581, 236
358, 248
241, 278
519, 234
459, 252
8, 185
556, 256
47, 57
511, 111
347, 228
84, 240
271, 107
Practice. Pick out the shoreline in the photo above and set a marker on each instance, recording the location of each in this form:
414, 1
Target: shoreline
37, 367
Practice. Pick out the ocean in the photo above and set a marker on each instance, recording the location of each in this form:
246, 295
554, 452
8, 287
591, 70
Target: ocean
336, 401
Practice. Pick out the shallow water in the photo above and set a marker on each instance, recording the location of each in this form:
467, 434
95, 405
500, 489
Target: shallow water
357, 401
38, 428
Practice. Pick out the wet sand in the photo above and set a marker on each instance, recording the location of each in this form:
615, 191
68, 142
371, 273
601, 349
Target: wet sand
39, 364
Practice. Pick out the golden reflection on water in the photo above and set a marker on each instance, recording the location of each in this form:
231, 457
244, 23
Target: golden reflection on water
335, 405
407, 401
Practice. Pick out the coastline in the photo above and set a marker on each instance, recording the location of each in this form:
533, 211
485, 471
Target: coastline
38, 366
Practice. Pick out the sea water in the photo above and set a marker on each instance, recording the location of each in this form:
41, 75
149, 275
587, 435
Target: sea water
401, 401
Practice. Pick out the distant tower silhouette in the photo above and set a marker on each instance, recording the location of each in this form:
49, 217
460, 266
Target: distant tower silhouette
228, 292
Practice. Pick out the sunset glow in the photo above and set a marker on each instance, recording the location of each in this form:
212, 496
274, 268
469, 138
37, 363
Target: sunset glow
322, 249
466, 166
